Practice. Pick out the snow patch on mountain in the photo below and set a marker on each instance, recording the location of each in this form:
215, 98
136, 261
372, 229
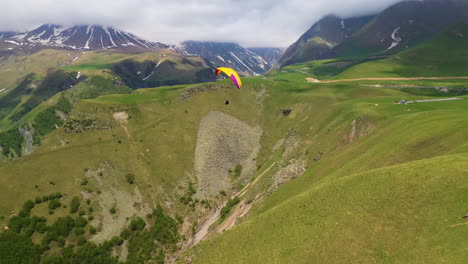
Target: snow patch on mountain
241, 62
90, 38
12, 42
154, 70
78, 37
221, 58
396, 38
226, 54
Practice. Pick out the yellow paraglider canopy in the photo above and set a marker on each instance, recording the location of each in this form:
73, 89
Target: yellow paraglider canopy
232, 74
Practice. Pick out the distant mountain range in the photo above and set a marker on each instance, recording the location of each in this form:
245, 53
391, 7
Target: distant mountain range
8, 34
396, 28
95, 37
228, 54
79, 37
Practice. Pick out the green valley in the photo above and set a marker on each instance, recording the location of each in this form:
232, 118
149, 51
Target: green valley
141, 154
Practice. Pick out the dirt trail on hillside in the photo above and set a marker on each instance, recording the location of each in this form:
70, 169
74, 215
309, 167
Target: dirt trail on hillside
122, 119
434, 100
240, 210
389, 79
203, 232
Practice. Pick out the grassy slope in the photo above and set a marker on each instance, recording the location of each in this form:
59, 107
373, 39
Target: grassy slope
396, 214
102, 61
422, 142
92, 63
161, 132
159, 118
13, 68
445, 55
401, 136
344, 208
321, 69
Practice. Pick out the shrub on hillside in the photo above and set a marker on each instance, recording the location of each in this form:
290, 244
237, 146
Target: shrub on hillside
38, 200
137, 224
28, 205
54, 204
130, 178
230, 204
74, 205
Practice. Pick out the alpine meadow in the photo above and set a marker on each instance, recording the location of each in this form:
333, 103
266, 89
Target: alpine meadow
348, 145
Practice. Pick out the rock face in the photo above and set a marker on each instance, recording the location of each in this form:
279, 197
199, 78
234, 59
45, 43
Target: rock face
227, 54
82, 37
223, 142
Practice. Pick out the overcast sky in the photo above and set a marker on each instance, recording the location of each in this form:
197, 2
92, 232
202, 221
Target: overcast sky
273, 23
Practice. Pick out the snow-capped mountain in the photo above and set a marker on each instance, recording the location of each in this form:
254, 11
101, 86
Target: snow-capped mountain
271, 55
226, 54
82, 37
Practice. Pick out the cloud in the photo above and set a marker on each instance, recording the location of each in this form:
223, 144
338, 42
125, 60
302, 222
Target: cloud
275, 23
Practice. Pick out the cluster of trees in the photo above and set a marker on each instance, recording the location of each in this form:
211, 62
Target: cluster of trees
54, 82
142, 247
66, 239
11, 142
47, 120
53, 198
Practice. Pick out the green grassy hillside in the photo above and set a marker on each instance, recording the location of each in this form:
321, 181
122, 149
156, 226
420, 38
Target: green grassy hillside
401, 214
413, 22
367, 199
32, 84
27, 80
280, 171
359, 130
445, 55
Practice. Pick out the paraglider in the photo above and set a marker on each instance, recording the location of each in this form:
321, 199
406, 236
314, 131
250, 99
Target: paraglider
232, 74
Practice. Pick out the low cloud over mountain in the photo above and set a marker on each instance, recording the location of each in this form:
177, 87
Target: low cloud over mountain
250, 23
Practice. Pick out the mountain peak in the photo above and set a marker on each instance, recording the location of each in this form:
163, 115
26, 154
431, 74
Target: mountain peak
84, 37
228, 54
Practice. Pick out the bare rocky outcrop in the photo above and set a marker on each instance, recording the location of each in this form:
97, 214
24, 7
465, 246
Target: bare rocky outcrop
121, 117
223, 142
360, 127
28, 146
293, 169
